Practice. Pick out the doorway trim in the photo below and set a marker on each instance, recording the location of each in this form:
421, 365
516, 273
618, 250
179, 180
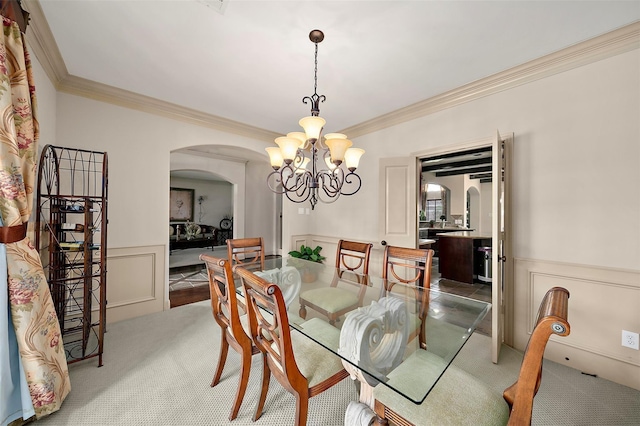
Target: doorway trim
508, 318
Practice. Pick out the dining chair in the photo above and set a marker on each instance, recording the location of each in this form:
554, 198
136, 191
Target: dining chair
234, 327
298, 363
412, 268
248, 252
333, 301
460, 398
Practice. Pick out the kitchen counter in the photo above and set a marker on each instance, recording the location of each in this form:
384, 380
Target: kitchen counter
425, 243
459, 258
434, 234
465, 234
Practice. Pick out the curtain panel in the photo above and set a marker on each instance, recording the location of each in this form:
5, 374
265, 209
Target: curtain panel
32, 315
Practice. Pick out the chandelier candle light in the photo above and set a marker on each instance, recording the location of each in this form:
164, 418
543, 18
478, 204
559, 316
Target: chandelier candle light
305, 168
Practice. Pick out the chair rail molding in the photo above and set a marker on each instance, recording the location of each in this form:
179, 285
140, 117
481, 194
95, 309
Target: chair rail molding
604, 301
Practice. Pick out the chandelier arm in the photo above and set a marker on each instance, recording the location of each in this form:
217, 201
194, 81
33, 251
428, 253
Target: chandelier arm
298, 161
337, 178
308, 186
329, 182
302, 192
292, 181
277, 181
327, 200
351, 179
327, 195
302, 200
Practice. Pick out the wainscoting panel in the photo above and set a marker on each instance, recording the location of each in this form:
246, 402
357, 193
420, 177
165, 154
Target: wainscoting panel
135, 281
603, 302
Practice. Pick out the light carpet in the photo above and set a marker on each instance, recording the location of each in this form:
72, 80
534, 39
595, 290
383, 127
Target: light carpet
158, 368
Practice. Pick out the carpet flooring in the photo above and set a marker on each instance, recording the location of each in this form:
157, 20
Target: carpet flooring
158, 368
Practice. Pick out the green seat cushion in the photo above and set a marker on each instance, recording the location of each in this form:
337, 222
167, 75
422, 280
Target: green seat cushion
316, 363
331, 299
458, 398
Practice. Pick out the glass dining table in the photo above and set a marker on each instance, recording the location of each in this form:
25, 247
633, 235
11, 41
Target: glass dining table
382, 330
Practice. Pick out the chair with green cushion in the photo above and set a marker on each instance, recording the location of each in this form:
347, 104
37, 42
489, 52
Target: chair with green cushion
412, 268
234, 327
459, 398
300, 365
352, 258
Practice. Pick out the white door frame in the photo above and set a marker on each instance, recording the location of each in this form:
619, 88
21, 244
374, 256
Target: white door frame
504, 313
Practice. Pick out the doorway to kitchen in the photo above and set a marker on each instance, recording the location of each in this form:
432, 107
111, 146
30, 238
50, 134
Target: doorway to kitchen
455, 221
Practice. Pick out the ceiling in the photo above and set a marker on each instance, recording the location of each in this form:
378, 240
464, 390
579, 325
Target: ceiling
477, 163
252, 62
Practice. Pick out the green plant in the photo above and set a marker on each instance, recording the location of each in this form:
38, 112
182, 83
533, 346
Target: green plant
307, 253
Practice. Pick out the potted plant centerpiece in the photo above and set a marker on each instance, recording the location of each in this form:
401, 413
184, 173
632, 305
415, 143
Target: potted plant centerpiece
307, 272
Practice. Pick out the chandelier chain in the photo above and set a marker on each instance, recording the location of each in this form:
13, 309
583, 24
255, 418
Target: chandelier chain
315, 73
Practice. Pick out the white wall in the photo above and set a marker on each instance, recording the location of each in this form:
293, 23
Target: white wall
139, 149
576, 137
217, 202
485, 208
46, 105
260, 210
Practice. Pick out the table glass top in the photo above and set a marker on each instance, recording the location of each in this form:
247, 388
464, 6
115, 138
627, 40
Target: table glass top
381, 328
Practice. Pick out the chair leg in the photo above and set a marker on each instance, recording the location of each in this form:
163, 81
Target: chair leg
266, 375
302, 409
222, 358
422, 337
332, 319
245, 368
380, 421
303, 311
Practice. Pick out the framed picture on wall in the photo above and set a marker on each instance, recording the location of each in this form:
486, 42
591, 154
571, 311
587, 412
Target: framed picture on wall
181, 204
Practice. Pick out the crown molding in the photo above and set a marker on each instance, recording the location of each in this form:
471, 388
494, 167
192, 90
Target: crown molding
102, 92
41, 40
610, 44
200, 153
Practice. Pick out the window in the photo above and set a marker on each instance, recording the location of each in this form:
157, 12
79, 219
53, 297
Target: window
434, 209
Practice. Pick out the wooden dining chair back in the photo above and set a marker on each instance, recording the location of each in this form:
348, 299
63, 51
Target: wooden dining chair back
353, 256
352, 260
411, 267
248, 252
459, 397
405, 265
234, 327
300, 365
552, 319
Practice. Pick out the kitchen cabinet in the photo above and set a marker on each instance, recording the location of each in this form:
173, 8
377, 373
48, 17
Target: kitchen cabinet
459, 258
433, 234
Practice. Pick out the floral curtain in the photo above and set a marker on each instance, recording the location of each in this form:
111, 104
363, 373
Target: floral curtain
33, 328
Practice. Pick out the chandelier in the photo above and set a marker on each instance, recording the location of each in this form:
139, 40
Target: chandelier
305, 167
